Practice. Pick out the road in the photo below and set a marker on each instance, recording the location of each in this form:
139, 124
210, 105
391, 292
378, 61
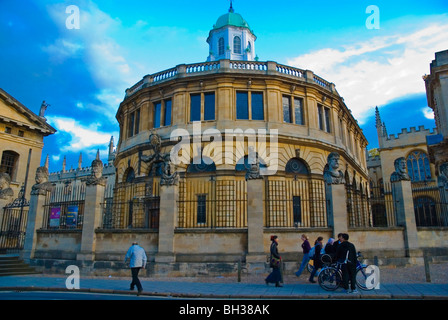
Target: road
48, 295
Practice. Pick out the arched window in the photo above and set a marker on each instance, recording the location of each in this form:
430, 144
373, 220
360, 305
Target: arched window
129, 175
221, 46
237, 45
296, 166
9, 163
199, 165
418, 166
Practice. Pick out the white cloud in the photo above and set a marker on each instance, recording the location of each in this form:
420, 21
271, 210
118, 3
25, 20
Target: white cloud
83, 138
375, 72
428, 113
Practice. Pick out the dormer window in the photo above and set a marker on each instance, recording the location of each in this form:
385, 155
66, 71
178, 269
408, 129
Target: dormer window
237, 45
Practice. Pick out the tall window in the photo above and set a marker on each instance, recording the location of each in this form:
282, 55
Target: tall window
286, 101
254, 100
209, 106
202, 106
418, 166
298, 111
167, 117
134, 123
292, 110
157, 114
9, 162
297, 210
323, 114
242, 105
257, 106
221, 46
237, 45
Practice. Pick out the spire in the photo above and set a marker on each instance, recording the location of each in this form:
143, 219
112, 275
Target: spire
47, 162
377, 118
231, 7
64, 163
98, 155
111, 157
80, 161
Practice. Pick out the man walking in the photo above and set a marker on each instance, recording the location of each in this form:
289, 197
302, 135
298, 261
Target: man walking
137, 257
346, 255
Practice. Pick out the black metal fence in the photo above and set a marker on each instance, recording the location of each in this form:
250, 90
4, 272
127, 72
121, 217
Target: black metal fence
430, 204
13, 226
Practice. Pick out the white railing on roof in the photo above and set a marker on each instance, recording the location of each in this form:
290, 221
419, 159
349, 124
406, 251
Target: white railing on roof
256, 67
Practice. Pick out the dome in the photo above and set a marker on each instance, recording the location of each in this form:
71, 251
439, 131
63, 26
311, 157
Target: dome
231, 19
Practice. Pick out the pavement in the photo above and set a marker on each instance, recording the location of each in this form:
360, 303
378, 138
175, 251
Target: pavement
200, 289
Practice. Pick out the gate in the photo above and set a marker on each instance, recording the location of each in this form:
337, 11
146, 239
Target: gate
13, 225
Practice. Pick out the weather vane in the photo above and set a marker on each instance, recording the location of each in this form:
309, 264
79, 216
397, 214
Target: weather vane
231, 7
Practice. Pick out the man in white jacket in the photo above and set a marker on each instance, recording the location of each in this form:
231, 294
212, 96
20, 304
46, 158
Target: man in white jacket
137, 257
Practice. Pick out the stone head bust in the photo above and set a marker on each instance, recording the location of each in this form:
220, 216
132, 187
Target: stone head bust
42, 185
331, 174
443, 175
6, 191
97, 173
400, 172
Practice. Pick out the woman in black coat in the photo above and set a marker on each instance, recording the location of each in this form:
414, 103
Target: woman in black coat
275, 261
317, 262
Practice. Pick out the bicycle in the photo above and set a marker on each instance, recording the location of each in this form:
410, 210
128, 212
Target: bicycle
330, 277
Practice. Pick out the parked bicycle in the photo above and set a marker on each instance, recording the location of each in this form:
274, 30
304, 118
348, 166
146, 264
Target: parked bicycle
330, 276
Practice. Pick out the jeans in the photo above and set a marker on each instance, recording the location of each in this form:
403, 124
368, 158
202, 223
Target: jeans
305, 261
135, 279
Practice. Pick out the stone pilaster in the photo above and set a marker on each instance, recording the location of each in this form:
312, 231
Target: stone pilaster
93, 211
35, 221
255, 212
404, 208
169, 195
337, 208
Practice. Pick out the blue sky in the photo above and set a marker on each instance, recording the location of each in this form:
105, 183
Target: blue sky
83, 73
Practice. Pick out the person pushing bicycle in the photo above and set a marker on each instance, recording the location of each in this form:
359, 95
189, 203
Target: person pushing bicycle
346, 256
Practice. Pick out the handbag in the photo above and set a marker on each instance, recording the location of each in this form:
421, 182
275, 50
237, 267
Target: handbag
275, 262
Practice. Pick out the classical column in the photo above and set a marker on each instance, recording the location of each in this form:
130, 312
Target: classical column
169, 196
93, 211
404, 206
336, 195
36, 212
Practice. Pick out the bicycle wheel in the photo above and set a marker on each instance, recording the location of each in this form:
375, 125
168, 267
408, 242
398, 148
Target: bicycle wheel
329, 278
361, 278
309, 266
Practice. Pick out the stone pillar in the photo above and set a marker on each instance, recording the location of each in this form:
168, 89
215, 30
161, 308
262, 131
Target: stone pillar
255, 212
169, 195
404, 208
337, 208
93, 212
35, 221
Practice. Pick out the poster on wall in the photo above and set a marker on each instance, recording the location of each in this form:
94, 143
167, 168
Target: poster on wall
72, 216
55, 216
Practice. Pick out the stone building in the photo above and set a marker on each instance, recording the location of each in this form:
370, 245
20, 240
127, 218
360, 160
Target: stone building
215, 157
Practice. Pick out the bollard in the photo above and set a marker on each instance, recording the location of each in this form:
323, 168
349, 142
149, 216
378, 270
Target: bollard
239, 270
427, 271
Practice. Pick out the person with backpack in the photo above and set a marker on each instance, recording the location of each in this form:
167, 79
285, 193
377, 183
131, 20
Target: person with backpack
316, 255
346, 256
306, 247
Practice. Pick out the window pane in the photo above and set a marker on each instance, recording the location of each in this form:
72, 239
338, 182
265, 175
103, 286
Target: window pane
195, 107
167, 120
8, 163
221, 46
286, 109
242, 108
209, 106
320, 117
137, 121
257, 106
298, 111
157, 114
327, 120
202, 212
236, 45
297, 210
131, 124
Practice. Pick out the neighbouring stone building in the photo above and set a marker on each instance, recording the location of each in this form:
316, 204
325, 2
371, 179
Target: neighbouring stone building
215, 157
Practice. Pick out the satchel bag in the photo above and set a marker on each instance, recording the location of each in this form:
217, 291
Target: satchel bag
275, 262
